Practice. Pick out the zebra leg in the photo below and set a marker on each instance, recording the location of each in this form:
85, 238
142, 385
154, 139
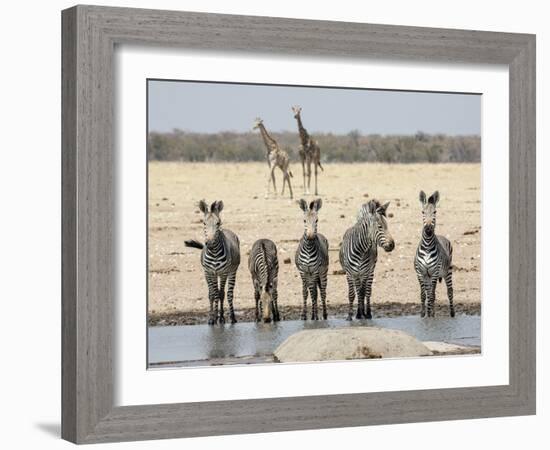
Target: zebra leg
360, 291
222, 297
449, 283
323, 289
422, 297
313, 294
368, 292
429, 286
212, 283
351, 297
275, 305
304, 295
230, 288
257, 299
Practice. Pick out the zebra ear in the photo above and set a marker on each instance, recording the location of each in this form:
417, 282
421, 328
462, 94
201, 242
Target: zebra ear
203, 207
434, 198
303, 204
382, 209
217, 207
316, 204
422, 197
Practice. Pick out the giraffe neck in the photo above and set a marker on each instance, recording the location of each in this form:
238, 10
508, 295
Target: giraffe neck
304, 137
268, 140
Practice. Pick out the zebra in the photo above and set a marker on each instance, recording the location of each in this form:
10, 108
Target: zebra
433, 259
220, 259
312, 260
264, 268
359, 252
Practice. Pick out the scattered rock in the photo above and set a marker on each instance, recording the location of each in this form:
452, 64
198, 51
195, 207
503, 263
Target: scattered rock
466, 233
339, 272
349, 343
286, 260
342, 216
164, 199
365, 195
390, 215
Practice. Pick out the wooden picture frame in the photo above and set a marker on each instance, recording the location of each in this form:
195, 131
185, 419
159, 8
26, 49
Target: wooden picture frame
90, 34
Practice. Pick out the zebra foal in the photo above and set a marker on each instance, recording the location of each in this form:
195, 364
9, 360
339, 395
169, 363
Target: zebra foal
433, 259
311, 259
264, 268
220, 259
359, 253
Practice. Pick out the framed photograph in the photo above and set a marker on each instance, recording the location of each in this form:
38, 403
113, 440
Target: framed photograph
278, 224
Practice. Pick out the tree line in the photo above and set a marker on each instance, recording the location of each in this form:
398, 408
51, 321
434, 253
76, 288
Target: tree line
351, 147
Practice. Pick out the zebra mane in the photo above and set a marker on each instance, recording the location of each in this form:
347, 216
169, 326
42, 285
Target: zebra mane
369, 208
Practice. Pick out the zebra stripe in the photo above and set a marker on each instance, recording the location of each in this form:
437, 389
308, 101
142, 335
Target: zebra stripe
220, 259
264, 269
359, 253
433, 259
312, 260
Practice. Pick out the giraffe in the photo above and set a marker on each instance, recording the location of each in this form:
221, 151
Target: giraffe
309, 152
276, 157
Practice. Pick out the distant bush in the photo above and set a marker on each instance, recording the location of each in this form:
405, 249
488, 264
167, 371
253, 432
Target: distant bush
229, 146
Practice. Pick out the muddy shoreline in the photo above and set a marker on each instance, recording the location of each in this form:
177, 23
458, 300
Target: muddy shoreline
292, 312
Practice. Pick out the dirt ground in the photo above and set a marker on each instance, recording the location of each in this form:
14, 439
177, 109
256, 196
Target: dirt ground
177, 290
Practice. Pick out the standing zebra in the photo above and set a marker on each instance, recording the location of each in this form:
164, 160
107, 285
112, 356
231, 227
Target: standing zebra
220, 259
264, 268
312, 259
433, 260
359, 252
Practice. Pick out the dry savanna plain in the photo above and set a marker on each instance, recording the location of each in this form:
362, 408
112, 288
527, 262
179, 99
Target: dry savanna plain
177, 292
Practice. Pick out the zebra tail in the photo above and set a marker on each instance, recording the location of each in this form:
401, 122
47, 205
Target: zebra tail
264, 256
290, 173
320, 166
194, 244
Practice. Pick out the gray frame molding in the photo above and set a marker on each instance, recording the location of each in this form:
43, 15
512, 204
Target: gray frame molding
90, 34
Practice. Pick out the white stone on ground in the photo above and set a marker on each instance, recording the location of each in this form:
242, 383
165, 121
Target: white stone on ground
331, 344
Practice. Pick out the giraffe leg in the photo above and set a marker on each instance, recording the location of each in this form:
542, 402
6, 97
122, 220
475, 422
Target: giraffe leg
351, 297
270, 178
304, 175
449, 283
287, 177
273, 180
316, 192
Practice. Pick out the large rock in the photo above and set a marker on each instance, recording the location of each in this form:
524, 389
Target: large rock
331, 344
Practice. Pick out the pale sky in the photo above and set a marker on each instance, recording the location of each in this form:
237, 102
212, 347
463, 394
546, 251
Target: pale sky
213, 107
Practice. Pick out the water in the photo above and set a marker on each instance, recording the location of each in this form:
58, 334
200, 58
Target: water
192, 345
